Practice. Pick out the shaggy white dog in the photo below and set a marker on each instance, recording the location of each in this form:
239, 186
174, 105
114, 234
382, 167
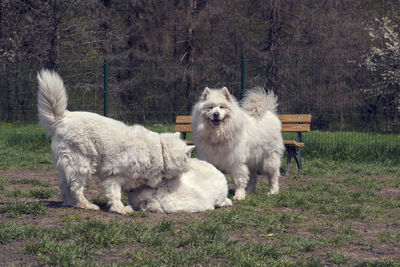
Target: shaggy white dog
85, 144
201, 188
241, 141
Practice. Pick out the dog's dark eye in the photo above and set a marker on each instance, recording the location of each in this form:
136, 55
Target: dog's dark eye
221, 107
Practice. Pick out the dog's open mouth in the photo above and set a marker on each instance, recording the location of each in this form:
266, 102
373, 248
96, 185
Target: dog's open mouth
216, 122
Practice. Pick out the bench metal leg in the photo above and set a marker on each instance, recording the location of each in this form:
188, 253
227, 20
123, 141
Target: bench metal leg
295, 153
289, 160
298, 159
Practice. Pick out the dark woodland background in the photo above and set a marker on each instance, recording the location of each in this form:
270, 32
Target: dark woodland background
338, 60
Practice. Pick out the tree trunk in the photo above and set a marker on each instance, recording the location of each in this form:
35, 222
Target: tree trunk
189, 53
53, 38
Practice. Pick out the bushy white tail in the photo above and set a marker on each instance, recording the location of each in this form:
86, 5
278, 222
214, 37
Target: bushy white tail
257, 102
52, 99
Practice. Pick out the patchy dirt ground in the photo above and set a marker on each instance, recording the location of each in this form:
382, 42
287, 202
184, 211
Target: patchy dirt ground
12, 255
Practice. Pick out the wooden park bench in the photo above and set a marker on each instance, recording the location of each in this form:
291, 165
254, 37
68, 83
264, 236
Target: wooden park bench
295, 123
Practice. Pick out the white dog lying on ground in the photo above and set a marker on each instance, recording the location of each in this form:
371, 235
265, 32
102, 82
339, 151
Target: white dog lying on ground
201, 188
241, 141
85, 144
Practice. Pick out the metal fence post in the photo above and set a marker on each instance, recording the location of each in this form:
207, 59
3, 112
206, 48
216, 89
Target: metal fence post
105, 73
243, 78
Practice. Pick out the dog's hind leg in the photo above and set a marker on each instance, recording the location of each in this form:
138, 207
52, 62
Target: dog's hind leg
73, 177
271, 169
77, 189
252, 184
113, 188
66, 196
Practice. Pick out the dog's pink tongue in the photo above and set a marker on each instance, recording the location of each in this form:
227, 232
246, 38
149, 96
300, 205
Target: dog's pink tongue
215, 122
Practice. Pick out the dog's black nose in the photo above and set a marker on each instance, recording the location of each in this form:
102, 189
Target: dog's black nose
216, 115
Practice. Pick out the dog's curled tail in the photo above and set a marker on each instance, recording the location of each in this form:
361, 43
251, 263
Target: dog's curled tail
257, 102
52, 99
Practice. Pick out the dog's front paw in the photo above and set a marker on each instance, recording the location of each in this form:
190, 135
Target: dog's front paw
273, 191
240, 194
128, 209
117, 209
87, 206
121, 209
227, 203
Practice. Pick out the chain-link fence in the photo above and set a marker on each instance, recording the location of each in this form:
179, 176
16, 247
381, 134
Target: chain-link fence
153, 93
150, 92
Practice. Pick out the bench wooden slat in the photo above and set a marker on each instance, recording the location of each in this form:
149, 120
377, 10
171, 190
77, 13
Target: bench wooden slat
184, 119
183, 128
295, 118
293, 143
295, 127
189, 142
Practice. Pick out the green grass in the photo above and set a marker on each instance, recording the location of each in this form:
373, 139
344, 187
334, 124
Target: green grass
337, 257
32, 181
10, 231
40, 191
198, 242
352, 146
24, 147
17, 192
261, 230
325, 212
20, 209
27, 146
3, 182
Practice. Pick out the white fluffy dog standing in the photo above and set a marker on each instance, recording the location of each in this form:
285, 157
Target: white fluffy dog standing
85, 144
241, 141
201, 188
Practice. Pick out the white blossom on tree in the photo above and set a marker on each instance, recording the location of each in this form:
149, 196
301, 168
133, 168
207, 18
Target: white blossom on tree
383, 63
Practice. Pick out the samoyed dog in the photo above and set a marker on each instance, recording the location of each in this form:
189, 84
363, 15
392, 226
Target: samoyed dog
202, 187
240, 140
86, 144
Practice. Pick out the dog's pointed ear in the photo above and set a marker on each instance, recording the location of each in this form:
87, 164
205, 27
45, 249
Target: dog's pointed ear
226, 93
205, 94
178, 134
190, 149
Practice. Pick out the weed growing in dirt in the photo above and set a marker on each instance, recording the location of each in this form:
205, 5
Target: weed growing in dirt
337, 257
37, 192
16, 193
19, 209
63, 254
42, 193
34, 181
10, 231
377, 263
3, 182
